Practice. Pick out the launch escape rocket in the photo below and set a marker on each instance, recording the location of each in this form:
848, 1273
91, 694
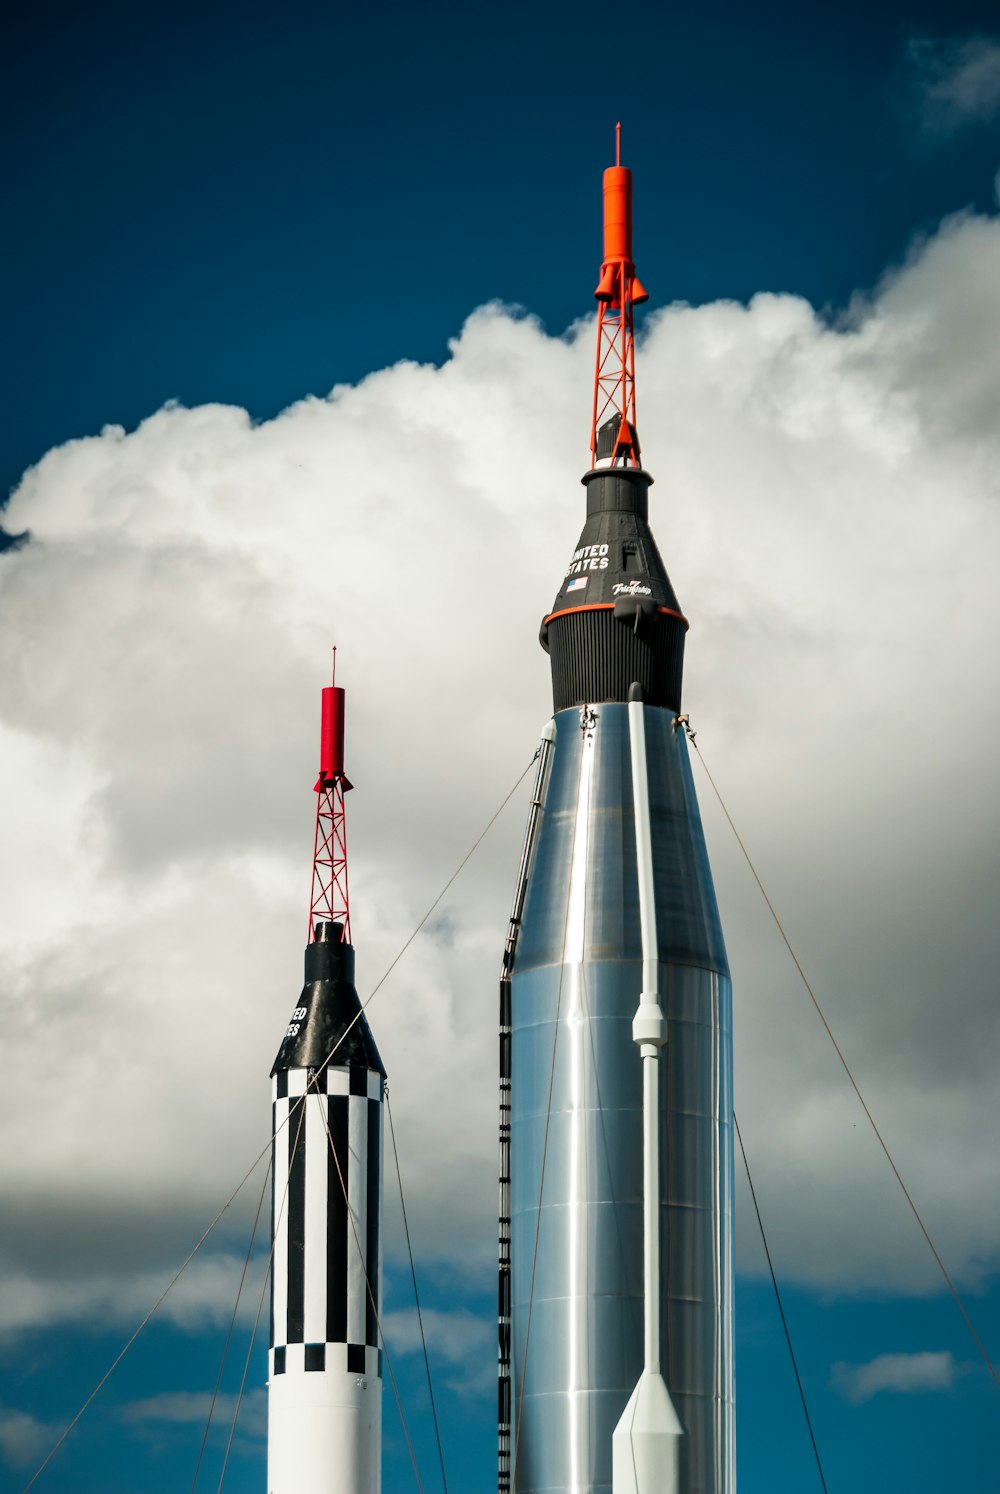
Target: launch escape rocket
616, 1149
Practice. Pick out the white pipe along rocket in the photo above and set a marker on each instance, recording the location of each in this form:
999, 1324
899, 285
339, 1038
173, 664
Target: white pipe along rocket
616, 1148
325, 1363
646, 1445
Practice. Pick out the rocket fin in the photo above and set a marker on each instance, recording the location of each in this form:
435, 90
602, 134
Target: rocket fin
646, 1442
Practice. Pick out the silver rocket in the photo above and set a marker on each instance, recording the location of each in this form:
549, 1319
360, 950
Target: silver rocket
616, 1247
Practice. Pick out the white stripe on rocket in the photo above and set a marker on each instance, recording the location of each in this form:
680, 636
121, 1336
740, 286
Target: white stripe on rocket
279, 1264
338, 1081
357, 1198
317, 1145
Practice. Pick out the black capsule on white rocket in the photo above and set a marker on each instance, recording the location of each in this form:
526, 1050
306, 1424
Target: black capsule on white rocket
327, 1087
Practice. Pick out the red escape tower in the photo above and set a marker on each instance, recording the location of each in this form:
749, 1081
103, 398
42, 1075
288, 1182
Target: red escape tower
327, 1090
328, 902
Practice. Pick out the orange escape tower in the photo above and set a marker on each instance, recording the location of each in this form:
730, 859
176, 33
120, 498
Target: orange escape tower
618, 291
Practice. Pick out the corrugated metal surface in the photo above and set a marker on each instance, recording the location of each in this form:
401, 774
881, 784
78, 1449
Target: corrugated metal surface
596, 657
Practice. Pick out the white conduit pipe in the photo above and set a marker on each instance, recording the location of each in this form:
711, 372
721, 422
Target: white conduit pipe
646, 1442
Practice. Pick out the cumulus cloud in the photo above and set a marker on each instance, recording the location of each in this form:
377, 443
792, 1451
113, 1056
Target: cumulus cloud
455, 1336
23, 1438
461, 1341
902, 1374
828, 504
182, 1408
203, 1297
956, 80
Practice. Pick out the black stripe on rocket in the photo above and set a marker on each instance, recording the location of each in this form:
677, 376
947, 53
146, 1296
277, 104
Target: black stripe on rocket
339, 1225
325, 1243
372, 1212
295, 1209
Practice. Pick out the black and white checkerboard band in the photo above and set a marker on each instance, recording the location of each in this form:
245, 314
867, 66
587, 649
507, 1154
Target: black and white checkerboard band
321, 1313
349, 1359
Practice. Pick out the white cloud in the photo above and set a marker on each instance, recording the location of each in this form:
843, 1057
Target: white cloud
456, 1337
23, 1438
957, 80
203, 1297
903, 1374
458, 1340
828, 504
190, 1407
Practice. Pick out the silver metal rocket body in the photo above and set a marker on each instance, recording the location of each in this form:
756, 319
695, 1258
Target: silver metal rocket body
576, 1117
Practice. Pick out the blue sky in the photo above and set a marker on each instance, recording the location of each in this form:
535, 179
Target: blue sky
199, 196
235, 209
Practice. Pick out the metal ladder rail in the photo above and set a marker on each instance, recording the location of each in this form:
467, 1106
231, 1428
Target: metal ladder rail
503, 1241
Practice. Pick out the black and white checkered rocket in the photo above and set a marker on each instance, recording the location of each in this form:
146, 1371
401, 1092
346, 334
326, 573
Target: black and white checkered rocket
325, 1364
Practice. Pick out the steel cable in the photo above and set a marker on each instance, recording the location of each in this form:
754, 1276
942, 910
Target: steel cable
781, 1310
368, 1286
844, 1064
232, 1326
243, 1382
266, 1149
152, 1311
459, 868
416, 1294
278, 1213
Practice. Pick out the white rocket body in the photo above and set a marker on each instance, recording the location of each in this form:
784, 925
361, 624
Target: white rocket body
325, 1364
